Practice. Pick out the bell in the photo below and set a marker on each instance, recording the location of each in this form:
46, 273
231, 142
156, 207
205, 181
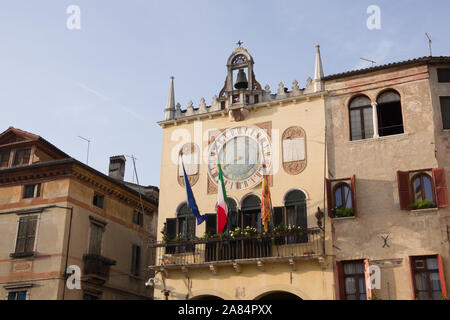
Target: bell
241, 80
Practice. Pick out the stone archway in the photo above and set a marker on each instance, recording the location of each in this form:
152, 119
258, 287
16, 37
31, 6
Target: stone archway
207, 297
278, 295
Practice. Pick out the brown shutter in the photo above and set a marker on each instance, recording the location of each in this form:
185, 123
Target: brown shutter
133, 259
354, 201
442, 276
367, 278
340, 282
440, 187
329, 198
404, 191
413, 281
31, 233
21, 235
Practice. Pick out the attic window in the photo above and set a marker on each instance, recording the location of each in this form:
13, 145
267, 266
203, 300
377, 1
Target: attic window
443, 75
21, 157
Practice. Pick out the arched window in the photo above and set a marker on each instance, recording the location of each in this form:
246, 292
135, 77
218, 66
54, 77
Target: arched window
185, 225
295, 211
361, 122
343, 196
389, 111
422, 187
251, 212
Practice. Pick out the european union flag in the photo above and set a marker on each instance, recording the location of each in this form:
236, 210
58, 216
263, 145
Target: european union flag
191, 200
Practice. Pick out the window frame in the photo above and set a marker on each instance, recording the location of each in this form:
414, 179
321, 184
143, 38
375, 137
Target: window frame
441, 99
25, 253
138, 218
101, 196
136, 258
8, 162
15, 151
440, 76
102, 227
355, 276
421, 175
439, 270
17, 292
379, 110
405, 189
361, 116
37, 190
331, 186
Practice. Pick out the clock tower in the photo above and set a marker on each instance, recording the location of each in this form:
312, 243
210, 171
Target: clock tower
250, 131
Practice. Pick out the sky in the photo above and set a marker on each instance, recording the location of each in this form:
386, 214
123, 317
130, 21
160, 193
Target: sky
108, 80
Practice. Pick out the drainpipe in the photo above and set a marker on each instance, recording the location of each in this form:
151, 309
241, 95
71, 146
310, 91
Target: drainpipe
68, 246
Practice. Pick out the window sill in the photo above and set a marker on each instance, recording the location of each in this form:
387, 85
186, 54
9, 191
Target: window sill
343, 218
22, 255
419, 212
392, 137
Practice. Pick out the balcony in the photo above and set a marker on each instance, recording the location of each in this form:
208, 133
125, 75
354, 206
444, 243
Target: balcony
96, 268
212, 252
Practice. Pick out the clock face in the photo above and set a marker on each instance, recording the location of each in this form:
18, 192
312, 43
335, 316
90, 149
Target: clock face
241, 153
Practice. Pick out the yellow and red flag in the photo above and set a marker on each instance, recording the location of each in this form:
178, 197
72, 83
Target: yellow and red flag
266, 203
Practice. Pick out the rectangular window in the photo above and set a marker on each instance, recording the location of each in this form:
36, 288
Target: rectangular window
21, 157
354, 281
135, 260
95, 243
32, 191
4, 158
445, 111
17, 295
443, 74
26, 235
426, 278
98, 200
138, 218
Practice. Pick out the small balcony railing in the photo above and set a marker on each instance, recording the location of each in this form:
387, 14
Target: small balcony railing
96, 266
285, 245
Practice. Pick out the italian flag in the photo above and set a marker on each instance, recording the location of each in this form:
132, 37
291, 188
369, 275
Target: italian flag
222, 208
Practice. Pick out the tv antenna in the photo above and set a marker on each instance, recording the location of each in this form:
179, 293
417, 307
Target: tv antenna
429, 43
137, 181
368, 60
89, 142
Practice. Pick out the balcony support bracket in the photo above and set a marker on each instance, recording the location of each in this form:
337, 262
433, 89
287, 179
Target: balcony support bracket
292, 264
237, 267
213, 269
260, 265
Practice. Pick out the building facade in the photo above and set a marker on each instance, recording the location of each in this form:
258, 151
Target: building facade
58, 214
358, 164
387, 132
245, 128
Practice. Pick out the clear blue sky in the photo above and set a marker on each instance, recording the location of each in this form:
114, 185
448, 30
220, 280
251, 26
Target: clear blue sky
109, 80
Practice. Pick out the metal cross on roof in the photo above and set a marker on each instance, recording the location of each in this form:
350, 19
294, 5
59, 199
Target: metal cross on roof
239, 43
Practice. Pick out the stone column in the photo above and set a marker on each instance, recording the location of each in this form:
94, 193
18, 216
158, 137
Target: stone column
375, 120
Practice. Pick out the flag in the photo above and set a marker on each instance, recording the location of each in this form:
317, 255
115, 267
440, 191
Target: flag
266, 203
222, 208
191, 200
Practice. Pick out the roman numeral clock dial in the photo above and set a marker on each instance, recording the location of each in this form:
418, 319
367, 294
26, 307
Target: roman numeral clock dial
241, 152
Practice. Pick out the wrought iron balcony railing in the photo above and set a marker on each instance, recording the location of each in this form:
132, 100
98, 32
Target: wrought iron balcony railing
285, 245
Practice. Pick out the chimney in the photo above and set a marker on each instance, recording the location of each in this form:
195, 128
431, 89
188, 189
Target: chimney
117, 167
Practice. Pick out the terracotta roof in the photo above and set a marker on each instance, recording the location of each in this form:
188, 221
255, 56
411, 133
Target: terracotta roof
421, 60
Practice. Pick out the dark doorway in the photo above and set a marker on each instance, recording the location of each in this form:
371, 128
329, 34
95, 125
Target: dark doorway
280, 295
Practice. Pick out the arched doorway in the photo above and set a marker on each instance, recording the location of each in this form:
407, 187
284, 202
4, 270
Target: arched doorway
207, 297
279, 295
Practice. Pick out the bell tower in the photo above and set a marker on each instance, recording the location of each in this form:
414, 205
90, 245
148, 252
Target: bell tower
241, 88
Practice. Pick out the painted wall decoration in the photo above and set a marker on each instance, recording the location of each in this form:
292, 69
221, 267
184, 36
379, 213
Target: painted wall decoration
190, 155
294, 150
